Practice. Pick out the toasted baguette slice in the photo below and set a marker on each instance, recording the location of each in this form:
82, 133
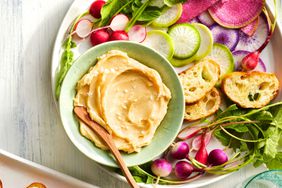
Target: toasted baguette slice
205, 107
251, 90
198, 80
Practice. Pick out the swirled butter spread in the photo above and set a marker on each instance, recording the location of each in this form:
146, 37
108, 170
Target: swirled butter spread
126, 97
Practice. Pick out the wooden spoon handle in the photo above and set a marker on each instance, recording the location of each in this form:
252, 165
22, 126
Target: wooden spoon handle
106, 137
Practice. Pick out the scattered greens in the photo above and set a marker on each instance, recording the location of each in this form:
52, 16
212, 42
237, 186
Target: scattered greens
67, 57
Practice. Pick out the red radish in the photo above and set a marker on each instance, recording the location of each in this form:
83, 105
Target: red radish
217, 157
252, 59
194, 8
119, 22
100, 36
161, 167
251, 28
137, 33
179, 150
202, 154
183, 169
196, 143
119, 35
188, 132
95, 8
83, 28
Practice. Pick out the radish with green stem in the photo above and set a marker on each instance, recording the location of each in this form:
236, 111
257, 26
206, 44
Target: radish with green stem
202, 153
83, 28
188, 132
240, 54
251, 60
118, 35
179, 150
99, 37
161, 168
183, 169
95, 8
196, 143
119, 22
217, 157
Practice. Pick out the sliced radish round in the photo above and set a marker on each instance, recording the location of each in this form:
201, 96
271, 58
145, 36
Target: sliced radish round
251, 28
257, 39
240, 54
83, 28
193, 8
119, 22
228, 37
206, 19
137, 33
236, 13
161, 42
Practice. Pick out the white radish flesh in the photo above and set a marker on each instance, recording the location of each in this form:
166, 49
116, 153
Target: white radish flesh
83, 28
119, 22
137, 33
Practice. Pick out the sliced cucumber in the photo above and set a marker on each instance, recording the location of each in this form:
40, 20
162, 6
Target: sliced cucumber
186, 39
169, 16
161, 42
206, 41
223, 56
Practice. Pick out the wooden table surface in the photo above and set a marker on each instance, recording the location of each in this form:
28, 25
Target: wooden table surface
29, 123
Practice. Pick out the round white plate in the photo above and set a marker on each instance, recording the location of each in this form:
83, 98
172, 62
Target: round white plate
272, 57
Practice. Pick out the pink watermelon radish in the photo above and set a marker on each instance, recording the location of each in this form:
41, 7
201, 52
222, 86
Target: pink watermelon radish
193, 8
251, 28
228, 37
236, 13
238, 57
206, 19
257, 39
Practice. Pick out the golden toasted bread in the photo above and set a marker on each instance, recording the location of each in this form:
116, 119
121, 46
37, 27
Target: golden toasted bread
251, 90
198, 80
205, 107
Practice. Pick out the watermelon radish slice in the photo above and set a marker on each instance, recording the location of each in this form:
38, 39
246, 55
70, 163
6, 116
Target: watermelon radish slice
206, 19
193, 8
236, 13
228, 37
238, 57
254, 42
251, 28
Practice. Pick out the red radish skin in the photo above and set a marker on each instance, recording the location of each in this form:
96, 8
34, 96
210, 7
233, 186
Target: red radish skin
236, 13
161, 167
179, 150
119, 22
83, 28
193, 8
250, 62
119, 35
196, 143
99, 37
137, 33
217, 157
183, 169
202, 155
251, 28
95, 8
188, 132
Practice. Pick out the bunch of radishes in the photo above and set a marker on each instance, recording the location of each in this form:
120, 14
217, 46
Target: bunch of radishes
115, 31
181, 153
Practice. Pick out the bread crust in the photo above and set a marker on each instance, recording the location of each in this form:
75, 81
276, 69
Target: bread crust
251, 89
199, 79
205, 107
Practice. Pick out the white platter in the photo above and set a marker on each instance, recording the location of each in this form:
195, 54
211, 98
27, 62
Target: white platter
19, 172
272, 57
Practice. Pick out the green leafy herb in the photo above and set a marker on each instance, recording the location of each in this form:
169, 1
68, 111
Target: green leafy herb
67, 57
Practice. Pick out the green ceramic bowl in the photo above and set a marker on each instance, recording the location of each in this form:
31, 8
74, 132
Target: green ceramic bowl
166, 132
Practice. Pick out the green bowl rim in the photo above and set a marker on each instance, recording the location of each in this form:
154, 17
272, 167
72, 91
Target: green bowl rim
89, 51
